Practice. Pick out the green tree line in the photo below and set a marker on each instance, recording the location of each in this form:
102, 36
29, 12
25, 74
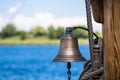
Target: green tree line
10, 30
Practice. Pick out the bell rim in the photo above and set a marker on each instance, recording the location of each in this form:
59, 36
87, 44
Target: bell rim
68, 59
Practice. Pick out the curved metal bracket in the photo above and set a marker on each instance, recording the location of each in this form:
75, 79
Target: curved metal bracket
70, 29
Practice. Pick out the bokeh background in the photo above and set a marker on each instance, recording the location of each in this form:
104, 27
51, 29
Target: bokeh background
29, 38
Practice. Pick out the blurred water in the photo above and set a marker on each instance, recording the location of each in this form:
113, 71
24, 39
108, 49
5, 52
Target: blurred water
35, 63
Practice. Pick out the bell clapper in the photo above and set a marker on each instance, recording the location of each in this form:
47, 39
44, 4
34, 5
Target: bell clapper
69, 72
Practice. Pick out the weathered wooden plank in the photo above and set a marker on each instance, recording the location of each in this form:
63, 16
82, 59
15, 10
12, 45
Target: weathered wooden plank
111, 35
97, 7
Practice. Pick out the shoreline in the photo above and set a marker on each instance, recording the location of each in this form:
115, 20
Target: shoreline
4, 44
35, 41
51, 42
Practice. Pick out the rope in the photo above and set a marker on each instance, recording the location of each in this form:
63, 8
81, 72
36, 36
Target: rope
95, 72
90, 27
89, 73
92, 74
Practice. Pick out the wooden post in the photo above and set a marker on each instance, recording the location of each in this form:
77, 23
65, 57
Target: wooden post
111, 35
111, 38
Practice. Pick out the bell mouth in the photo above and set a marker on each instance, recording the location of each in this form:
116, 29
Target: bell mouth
69, 58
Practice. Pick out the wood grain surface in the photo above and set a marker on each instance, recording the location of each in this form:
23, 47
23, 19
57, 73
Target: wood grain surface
111, 35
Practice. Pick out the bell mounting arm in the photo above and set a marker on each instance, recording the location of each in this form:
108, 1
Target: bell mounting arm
70, 29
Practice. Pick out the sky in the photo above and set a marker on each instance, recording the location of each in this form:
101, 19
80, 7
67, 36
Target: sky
26, 14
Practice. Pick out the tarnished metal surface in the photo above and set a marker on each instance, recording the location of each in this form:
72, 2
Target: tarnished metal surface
69, 50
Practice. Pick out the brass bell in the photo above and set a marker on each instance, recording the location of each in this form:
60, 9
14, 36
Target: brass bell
69, 50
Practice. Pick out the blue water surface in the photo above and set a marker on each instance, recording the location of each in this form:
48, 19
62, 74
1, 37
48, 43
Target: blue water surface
28, 62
